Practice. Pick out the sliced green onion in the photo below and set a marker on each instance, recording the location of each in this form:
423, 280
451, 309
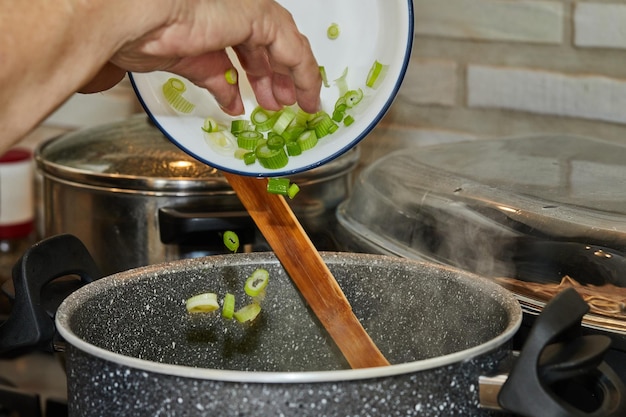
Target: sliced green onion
211, 125
231, 240
249, 158
292, 132
285, 117
248, 139
262, 119
202, 303
247, 313
239, 125
342, 82
293, 149
257, 281
271, 158
173, 90
231, 76
293, 190
324, 76
353, 97
322, 123
376, 75
302, 117
338, 115
228, 308
348, 120
333, 31
278, 186
275, 141
307, 140
222, 142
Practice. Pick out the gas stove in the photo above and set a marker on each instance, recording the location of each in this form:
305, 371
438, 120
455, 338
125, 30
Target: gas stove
32, 385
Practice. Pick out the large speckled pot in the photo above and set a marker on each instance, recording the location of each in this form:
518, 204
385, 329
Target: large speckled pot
134, 350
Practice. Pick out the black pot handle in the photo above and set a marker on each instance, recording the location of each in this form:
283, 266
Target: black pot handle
560, 372
29, 326
180, 226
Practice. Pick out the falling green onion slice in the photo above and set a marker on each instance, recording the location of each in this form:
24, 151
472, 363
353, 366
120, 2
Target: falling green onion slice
228, 308
173, 90
333, 31
247, 313
231, 240
231, 76
278, 185
376, 74
257, 281
293, 190
202, 303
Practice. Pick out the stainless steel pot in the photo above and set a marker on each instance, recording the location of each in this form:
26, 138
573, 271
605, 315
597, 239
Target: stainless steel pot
135, 199
134, 350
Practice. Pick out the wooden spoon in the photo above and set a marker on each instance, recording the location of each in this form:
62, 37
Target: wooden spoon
305, 266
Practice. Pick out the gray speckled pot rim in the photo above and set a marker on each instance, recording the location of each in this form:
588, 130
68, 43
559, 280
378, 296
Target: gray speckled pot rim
75, 299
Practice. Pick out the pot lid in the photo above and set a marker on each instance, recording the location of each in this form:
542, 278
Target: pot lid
133, 154
561, 186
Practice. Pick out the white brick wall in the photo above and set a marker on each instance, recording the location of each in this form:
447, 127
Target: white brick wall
545, 92
553, 65
600, 25
508, 20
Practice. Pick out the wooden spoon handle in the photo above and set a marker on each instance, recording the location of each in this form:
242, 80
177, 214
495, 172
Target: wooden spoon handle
305, 266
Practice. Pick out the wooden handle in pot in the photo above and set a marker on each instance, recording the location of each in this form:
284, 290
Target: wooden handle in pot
301, 260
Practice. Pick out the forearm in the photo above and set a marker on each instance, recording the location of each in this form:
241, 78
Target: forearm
50, 49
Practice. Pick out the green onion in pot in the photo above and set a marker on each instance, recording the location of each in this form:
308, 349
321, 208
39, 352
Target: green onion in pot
257, 281
231, 240
228, 308
247, 313
202, 303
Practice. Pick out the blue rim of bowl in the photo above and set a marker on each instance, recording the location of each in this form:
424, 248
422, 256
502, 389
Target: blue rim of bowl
278, 173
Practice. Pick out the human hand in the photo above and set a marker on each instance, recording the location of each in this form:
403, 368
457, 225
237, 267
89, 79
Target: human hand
192, 43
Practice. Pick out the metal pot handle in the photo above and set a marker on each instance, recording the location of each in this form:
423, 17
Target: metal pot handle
558, 365
29, 324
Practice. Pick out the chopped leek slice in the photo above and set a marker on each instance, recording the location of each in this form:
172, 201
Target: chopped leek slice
342, 82
211, 125
292, 191
248, 139
376, 75
278, 185
257, 281
324, 76
262, 119
307, 140
231, 240
202, 303
231, 76
333, 31
348, 120
271, 158
284, 119
228, 308
173, 90
222, 142
247, 313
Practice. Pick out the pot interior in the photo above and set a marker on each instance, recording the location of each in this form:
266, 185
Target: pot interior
413, 311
